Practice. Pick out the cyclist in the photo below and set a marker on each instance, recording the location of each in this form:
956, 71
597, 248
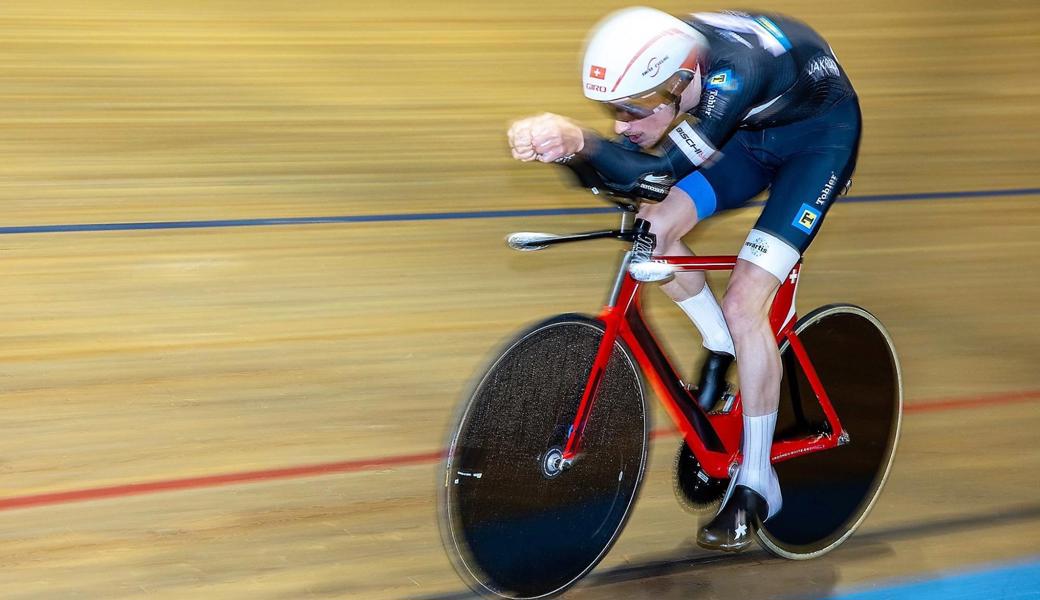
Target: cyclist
711, 110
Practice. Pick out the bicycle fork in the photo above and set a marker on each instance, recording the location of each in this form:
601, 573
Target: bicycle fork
620, 300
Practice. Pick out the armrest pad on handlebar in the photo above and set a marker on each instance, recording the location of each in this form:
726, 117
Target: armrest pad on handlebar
647, 188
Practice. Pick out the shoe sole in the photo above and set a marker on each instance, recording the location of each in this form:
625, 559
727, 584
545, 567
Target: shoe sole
725, 547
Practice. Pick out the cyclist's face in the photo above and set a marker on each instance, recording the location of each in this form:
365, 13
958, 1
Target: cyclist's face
646, 131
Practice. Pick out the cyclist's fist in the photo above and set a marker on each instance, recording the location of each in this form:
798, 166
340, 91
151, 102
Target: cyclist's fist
520, 140
546, 138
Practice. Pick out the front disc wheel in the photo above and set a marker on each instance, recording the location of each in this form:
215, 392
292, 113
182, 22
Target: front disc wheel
517, 521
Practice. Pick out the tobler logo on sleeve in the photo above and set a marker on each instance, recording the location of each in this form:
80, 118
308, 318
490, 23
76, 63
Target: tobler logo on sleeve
597, 72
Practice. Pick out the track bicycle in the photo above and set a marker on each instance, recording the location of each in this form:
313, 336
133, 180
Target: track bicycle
549, 449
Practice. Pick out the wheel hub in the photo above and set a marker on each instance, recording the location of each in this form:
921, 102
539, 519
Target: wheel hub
552, 463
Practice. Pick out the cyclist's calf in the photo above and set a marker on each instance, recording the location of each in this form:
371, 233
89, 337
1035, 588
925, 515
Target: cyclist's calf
746, 308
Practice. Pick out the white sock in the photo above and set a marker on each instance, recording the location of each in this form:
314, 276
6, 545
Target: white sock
706, 314
756, 472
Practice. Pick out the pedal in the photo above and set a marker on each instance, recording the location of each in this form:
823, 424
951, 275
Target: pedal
729, 399
723, 405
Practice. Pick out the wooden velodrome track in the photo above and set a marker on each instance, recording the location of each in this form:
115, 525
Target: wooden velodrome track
256, 411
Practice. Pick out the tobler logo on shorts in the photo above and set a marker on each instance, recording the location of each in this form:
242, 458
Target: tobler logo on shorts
597, 72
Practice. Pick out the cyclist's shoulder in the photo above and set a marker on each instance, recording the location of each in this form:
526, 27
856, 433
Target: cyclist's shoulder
747, 20
772, 34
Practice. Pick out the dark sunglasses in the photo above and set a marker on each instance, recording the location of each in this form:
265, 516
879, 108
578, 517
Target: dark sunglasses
634, 108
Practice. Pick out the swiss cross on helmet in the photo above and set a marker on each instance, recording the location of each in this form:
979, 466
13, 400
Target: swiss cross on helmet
639, 58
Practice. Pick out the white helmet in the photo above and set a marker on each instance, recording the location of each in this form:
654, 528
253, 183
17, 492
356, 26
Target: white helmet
639, 51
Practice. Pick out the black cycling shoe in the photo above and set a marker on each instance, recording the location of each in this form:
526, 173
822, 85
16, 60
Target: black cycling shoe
713, 379
733, 529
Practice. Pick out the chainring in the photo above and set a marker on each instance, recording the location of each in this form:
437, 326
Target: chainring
695, 490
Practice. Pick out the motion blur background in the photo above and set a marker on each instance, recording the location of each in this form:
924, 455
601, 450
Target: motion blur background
218, 406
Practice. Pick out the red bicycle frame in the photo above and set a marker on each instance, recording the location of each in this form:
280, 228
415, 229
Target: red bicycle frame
714, 438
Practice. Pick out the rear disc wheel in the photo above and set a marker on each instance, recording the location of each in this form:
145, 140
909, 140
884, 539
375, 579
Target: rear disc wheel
828, 494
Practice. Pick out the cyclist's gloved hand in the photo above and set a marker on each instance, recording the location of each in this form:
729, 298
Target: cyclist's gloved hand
545, 138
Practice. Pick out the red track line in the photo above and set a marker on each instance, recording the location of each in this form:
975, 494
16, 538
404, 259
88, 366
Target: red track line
349, 466
1002, 398
188, 483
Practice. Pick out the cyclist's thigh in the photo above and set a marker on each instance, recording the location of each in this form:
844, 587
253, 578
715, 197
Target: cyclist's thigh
804, 188
730, 182
815, 171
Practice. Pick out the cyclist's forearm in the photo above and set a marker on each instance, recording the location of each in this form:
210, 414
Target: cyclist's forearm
626, 167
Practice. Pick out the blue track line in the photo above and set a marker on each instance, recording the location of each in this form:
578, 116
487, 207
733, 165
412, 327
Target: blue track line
447, 216
1019, 580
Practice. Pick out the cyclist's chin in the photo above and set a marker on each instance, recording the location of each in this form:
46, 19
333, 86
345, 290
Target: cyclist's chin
645, 140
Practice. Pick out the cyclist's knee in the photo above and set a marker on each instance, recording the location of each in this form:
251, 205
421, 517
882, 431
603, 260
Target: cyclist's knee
747, 301
669, 221
667, 234
740, 312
